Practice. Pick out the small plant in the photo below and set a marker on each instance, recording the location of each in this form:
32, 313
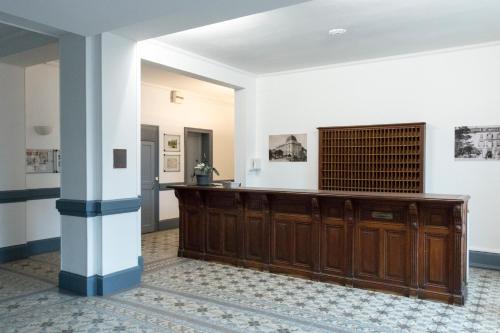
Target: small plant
204, 169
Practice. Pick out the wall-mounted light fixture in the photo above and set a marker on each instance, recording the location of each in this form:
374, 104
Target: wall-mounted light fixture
43, 129
175, 97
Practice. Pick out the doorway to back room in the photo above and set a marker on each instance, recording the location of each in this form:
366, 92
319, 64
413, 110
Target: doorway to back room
184, 121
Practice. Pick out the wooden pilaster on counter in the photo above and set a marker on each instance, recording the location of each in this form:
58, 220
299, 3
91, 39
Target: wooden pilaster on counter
412, 244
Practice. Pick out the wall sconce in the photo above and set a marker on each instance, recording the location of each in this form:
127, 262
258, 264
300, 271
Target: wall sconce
43, 130
175, 97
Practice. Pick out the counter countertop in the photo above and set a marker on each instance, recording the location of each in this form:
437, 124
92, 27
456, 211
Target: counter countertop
340, 194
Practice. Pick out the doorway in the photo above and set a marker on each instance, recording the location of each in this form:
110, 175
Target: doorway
150, 210
198, 144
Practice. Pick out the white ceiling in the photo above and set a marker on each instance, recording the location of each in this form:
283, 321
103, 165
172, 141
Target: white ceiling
297, 36
135, 19
160, 75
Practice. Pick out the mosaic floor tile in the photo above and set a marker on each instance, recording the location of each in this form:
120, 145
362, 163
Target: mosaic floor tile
183, 295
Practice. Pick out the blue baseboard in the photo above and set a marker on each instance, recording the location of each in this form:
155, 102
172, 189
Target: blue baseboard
118, 281
44, 246
168, 224
15, 252
484, 260
22, 251
78, 284
98, 285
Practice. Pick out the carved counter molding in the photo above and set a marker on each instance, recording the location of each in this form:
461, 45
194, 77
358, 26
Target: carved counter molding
412, 244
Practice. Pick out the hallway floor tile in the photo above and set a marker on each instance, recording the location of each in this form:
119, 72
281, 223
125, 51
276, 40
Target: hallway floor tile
183, 295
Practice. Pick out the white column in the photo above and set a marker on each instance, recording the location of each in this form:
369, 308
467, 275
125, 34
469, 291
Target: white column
99, 203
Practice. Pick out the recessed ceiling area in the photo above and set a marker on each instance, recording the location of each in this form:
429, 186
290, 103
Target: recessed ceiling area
298, 36
162, 76
16, 40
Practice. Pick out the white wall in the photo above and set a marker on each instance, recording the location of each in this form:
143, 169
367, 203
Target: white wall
198, 111
28, 97
243, 82
42, 108
444, 90
12, 156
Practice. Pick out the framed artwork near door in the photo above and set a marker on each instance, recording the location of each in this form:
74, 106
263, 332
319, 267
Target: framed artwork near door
171, 143
171, 163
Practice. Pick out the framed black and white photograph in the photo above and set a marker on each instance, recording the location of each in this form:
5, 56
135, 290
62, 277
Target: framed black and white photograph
288, 148
171, 163
477, 143
171, 143
43, 161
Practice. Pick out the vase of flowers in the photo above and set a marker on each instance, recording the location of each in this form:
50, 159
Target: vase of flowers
203, 172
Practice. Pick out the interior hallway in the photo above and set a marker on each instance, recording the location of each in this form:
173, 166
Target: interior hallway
183, 295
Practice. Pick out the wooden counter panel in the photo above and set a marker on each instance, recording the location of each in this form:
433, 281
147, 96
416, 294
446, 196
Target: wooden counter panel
381, 242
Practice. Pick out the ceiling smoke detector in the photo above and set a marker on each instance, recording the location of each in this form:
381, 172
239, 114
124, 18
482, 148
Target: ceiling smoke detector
337, 32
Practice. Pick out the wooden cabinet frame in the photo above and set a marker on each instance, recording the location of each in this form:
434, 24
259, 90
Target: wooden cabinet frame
375, 158
411, 244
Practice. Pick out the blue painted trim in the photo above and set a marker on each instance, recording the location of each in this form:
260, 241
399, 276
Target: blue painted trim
91, 208
12, 196
31, 248
168, 224
484, 260
78, 284
44, 246
100, 285
29, 194
43, 193
118, 281
109, 207
15, 252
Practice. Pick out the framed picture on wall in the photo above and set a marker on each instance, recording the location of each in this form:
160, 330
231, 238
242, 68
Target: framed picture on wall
171, 163
171, 143
43, 161
477, 143
288, 148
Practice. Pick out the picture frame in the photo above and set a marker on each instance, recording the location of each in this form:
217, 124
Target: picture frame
171, 163
477, 143
43, 161
288, 148
171, 143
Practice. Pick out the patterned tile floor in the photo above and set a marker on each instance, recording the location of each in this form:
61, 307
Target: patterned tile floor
182, 295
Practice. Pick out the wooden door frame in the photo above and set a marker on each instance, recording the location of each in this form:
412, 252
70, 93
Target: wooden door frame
152, 133
187, 130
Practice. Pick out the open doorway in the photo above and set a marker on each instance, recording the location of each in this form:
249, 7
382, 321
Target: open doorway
199, 148
192, 121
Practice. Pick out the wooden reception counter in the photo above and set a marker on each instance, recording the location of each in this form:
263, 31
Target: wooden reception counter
411, 244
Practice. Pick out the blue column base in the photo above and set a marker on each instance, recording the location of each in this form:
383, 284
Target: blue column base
98, 285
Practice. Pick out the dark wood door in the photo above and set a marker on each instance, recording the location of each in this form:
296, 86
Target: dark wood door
336, 249
382, 245
436, 249
221, 233
255, 237
292, 242
193, 229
